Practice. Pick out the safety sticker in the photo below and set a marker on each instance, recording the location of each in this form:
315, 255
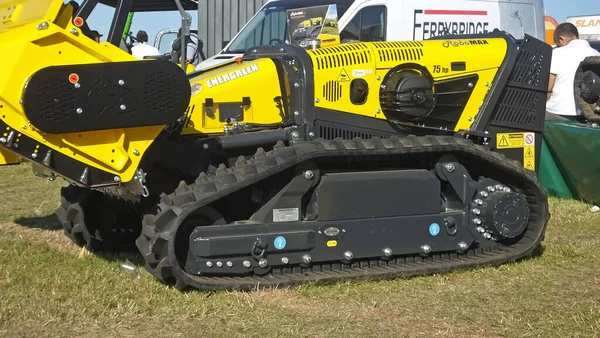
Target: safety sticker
529, 157
279, 242
510, 140
343, 77
434, 229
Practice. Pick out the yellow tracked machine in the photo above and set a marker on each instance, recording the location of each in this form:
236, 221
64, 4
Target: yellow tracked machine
359, 161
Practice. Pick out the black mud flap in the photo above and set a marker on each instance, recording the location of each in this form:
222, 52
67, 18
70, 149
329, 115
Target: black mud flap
90, 97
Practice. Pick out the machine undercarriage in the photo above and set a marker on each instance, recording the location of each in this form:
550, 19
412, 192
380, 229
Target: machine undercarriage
441, 204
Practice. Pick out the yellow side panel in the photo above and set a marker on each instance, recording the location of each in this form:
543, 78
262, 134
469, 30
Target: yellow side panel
26, 49
15, 13
226, 87
336, 67
8, 158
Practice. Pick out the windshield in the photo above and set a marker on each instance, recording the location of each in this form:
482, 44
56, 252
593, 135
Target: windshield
269, 25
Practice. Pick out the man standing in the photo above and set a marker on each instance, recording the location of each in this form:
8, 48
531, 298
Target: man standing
566, 57
142, 48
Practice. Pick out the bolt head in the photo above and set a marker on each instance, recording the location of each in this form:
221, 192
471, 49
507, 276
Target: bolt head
34, 155
229, 264
121, 82
136, 152
487, 235
73, 31
43, 25
285, 260
306, 259
484, 194
480, 230
123, 107
507, 189
348, 255
209, 264
471, 85
311, 134
477, 221
309, 175
597, 109
247, 264
449, 167
77, 85
262, 263
220, 264
479, 202
296, 84
463, 246
79, 110
426, 248
476, 211
296, 113
491, 189
499, 187
295, 135
117, 179
387, 252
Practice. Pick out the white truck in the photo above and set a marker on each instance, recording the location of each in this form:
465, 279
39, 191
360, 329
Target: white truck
391, 20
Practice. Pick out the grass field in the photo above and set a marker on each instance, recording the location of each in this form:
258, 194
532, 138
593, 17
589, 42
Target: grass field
47, 291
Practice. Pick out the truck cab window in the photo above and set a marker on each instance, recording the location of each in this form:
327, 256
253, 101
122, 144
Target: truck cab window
369, 24
268, 27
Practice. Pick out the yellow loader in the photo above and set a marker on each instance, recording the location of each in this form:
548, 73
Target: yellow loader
360, 161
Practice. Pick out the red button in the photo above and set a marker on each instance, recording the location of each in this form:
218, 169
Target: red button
78, 21
73, 78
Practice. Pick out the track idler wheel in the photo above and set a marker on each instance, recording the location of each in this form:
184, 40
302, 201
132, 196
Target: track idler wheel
501, 213
98, 221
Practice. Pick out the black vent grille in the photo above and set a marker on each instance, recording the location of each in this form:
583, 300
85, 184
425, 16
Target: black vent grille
332, 91
331, 131
518, 107
342, 56
399, 51
158, 91
528, 70
522, 103
58, 102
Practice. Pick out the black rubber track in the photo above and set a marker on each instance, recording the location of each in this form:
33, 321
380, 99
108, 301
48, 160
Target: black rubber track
158, 250
98, 221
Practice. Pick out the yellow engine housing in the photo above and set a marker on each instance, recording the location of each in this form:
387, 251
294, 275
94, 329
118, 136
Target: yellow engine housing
335, 68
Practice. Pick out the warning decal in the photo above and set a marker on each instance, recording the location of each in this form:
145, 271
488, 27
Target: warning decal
343, 77
529, 156
510, 140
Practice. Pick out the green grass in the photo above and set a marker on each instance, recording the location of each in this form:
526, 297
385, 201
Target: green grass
47, 291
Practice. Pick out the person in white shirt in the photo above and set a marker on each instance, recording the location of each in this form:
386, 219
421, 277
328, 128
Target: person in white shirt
566, 57
142, 48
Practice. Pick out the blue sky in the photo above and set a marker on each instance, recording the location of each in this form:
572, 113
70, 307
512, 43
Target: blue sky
154, 22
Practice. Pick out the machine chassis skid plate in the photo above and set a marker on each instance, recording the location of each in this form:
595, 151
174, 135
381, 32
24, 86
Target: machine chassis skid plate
157, 243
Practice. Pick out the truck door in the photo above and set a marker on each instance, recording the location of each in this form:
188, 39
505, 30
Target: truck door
369, 23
